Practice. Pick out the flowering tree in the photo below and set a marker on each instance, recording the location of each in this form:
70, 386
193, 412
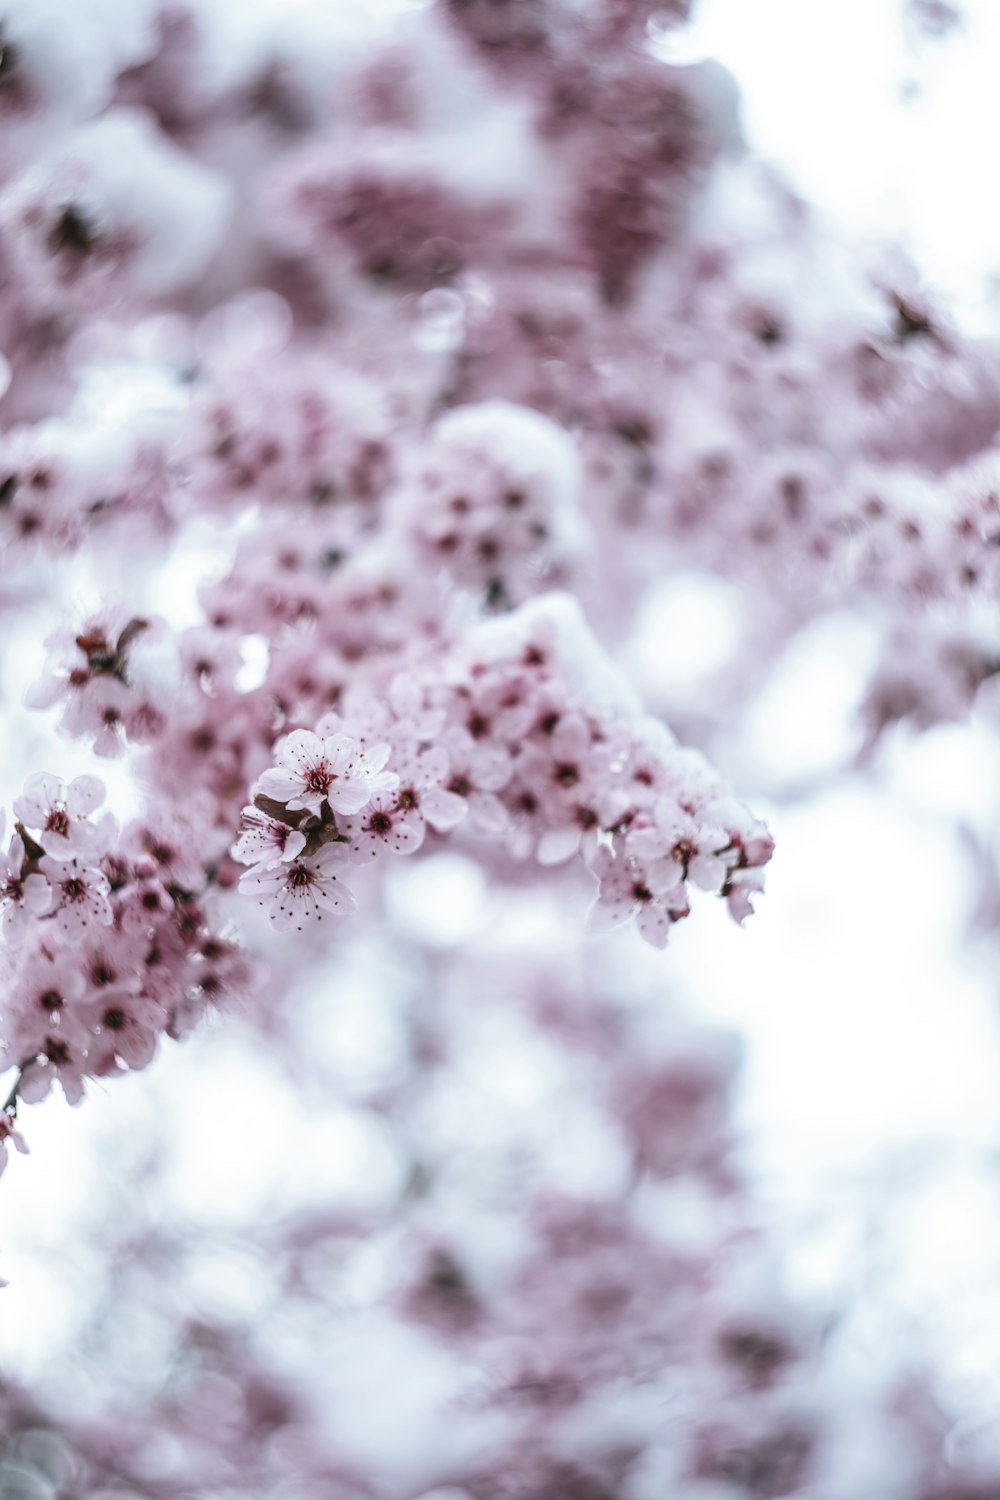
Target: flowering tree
370, 370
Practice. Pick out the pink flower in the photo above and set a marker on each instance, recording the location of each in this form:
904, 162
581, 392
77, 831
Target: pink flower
311, 771
103, 711
654, 895
23, 897
301, 891
41, 1006
80, 896
265, 841
697, 849
61, 1057
384, 825
421, 789
173, 847
60, 812
126, 1029
739, 891
476, 772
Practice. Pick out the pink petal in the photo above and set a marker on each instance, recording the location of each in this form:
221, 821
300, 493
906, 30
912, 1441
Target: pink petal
442, 809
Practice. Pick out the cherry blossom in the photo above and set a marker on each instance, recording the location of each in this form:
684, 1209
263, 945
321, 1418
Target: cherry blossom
674, 834
299, 892
266, 841
125, 1028
24, 896
79, 896
408, 359
423, 790
60, 813
334, 770
477, 774
653, 893
384, 825
43, 1015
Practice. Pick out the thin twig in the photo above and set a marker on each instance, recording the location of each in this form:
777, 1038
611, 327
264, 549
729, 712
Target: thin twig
9, 1106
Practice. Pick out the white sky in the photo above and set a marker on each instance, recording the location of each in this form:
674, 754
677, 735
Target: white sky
822, 84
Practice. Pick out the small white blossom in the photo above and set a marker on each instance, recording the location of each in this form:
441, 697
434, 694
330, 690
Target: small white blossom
336, 770
301, 891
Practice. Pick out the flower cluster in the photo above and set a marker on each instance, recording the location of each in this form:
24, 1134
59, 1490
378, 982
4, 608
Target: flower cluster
278, 428
528, 736
62, 480
393, 321
294, 856
110, 942
392, 212
495, 500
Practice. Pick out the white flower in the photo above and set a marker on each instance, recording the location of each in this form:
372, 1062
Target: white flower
696, 848
336, 770
265, 841
23, 897
302, 890
80, 896
59, 812
385, 826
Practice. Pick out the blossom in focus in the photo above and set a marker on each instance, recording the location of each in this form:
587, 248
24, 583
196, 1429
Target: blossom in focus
79, 896
266, 841
300, 892
311, 771
652, 892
